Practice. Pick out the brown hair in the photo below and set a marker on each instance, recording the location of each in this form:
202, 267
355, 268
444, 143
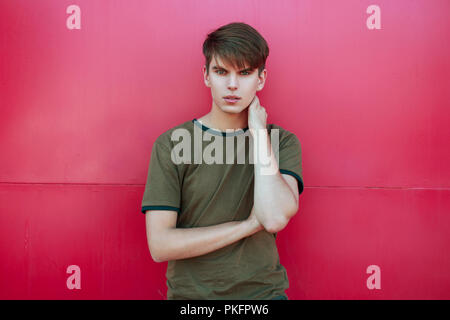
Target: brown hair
236, 43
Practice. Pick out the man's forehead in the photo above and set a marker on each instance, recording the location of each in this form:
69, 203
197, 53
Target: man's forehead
217, 62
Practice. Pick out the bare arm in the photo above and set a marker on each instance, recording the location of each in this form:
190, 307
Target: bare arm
166, 242
275, 194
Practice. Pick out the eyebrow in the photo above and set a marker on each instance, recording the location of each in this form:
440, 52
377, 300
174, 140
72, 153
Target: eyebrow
221, 68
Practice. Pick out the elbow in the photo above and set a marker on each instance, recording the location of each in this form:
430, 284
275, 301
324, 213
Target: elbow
159, 246
271, 229
156, 258
270, 226
276, 226
155, 254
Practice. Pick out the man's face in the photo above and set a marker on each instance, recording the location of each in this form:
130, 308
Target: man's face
224, 81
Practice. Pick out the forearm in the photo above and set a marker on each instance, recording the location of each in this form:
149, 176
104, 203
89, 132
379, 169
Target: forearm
273, 198
182, 243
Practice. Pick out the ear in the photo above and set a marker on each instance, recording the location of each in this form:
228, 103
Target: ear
261, 80
205, 77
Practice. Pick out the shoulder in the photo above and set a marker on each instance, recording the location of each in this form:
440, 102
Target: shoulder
284, 135
165, 138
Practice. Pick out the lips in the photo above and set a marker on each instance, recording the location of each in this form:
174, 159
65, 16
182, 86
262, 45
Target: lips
230, 100
232, 97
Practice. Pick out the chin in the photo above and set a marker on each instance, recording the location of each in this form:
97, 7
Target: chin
232, 109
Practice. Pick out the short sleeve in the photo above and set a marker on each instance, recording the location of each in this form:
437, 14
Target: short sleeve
290, 159
162, 189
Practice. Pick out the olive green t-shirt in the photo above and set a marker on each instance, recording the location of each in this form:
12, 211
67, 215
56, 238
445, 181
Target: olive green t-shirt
209, 194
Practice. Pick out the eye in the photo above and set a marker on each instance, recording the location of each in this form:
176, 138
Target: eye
245, 73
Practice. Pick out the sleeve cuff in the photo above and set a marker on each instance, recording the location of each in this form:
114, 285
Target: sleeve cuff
296, 176
145, 208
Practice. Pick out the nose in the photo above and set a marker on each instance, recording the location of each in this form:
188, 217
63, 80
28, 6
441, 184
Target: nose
232, 83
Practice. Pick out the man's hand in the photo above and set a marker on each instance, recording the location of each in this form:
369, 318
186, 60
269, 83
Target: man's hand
257, 116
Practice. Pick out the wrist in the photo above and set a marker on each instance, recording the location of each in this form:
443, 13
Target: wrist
258, 130
252, 226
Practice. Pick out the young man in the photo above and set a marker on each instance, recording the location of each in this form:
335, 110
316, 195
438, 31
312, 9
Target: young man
215, 222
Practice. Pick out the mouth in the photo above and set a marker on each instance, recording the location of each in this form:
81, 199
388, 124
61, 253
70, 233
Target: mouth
232, 99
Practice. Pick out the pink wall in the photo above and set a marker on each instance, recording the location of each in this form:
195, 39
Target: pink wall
80, 110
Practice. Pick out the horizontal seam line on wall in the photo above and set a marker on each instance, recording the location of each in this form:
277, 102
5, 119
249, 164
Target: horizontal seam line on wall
143, 185
388, 188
